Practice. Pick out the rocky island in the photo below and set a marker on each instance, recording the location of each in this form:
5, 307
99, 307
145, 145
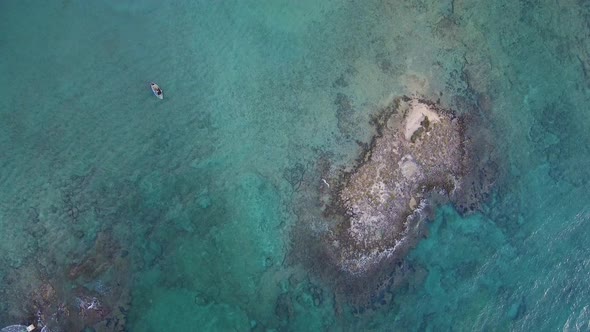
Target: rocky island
417, 156
356, 224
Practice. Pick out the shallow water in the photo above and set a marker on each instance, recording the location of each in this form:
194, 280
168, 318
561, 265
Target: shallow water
182, 209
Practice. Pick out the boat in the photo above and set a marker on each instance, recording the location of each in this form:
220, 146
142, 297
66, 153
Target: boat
156, 90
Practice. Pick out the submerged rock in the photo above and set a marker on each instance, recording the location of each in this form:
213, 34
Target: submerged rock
417, 158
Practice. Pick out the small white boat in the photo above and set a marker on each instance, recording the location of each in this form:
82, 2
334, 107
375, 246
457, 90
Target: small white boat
156, 90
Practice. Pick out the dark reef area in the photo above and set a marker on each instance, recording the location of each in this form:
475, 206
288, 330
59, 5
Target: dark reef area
366, 219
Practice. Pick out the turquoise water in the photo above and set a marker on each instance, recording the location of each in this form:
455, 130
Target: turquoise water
179, 214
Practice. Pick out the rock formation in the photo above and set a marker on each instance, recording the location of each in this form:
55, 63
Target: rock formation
417, 158
355, 225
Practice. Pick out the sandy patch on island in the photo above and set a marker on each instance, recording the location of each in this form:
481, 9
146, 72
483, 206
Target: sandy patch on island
416, 114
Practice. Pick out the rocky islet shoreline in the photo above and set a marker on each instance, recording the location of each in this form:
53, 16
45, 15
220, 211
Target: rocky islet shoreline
365, 218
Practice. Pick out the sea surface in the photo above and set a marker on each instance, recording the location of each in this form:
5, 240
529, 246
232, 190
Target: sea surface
181, 210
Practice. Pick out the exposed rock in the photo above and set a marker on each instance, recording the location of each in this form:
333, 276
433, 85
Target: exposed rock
418, 157
357, 223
